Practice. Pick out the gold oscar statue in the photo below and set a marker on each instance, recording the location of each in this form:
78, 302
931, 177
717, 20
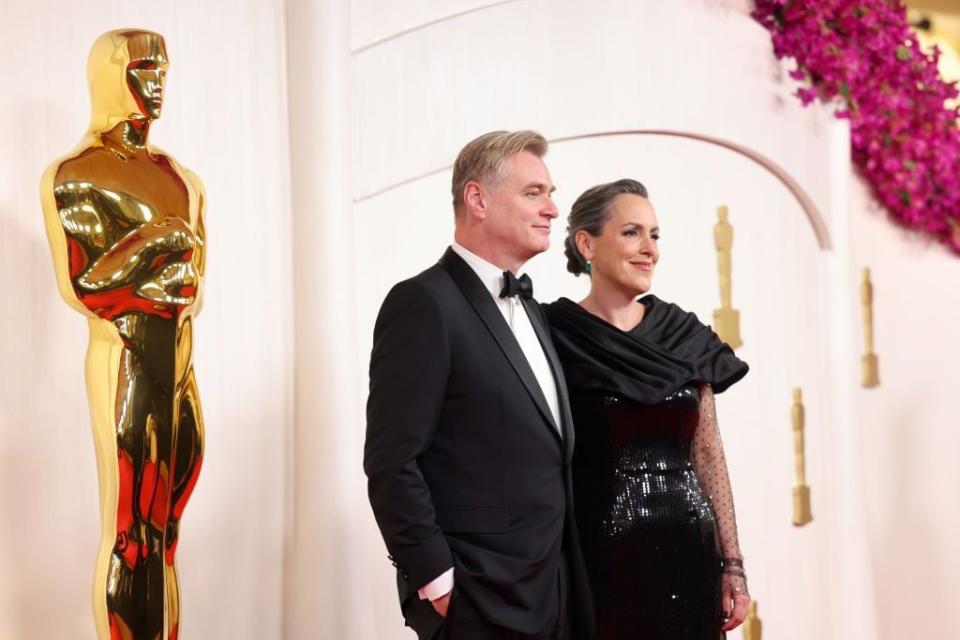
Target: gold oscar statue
869, 365
726, 319
752, 625
801, 492
125, 225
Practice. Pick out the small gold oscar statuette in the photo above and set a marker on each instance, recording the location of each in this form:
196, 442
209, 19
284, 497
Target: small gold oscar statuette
752, 625
801, 492
726, 319
869, 366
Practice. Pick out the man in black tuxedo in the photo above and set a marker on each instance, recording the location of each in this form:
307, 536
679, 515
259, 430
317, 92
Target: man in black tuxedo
469, 434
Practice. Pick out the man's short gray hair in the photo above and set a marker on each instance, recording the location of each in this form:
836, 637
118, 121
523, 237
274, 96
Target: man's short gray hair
482, 158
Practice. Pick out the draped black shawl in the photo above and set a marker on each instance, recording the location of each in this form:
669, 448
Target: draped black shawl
667, 350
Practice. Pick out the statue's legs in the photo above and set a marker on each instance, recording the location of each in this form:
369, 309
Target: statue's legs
186, 468
133, 591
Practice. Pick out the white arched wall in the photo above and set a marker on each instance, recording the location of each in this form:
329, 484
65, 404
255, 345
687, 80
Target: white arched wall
570, 68
420, 92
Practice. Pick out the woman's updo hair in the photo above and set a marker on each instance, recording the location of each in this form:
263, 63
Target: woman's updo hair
590, 212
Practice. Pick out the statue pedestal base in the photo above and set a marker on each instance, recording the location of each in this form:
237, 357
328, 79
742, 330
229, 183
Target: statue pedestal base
870, 370
727, 325
802, 514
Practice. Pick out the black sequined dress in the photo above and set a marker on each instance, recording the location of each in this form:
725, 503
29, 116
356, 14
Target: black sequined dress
649, 528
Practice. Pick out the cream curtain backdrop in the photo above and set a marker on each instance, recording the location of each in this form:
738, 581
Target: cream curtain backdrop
323, 130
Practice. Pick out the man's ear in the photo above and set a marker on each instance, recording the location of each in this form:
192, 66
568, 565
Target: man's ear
475, 199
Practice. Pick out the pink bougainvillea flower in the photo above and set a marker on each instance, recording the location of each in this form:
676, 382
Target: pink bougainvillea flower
863, 56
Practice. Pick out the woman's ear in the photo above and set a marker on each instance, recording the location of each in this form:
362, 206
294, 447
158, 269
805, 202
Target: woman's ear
585, 244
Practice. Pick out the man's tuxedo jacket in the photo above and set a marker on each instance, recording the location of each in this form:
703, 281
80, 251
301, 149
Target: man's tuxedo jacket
466, 466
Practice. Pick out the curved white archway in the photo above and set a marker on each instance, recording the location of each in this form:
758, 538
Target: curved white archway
803, 198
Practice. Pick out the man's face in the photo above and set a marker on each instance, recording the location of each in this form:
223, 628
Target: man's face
145, 78
520, 207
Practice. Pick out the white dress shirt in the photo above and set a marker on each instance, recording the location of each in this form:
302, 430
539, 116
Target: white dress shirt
516, 317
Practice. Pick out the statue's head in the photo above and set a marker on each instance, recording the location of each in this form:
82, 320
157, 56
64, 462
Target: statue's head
126, 71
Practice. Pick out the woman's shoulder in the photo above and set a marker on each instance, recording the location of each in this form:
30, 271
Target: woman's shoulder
562, 301
560, 307
684, 335
669, 314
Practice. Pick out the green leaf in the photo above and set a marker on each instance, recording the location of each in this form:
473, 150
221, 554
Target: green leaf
904, 196
909, 164
844, 90
903, 54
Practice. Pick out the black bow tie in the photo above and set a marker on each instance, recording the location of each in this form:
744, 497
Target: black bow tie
514, 286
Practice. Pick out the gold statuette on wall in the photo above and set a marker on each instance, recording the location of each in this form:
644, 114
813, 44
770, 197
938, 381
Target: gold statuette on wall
869, 366
125, 225
752, 625
726, 319
802, 513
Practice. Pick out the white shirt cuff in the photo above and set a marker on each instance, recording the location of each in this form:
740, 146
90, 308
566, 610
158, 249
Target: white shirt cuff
438, 587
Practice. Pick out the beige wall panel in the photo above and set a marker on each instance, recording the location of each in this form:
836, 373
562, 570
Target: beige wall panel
568, 68
908, 425
372, 21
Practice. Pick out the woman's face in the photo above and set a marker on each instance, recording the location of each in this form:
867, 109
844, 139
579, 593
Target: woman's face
625, 254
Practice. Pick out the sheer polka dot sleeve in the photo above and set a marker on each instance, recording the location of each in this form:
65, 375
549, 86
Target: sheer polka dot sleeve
710, 465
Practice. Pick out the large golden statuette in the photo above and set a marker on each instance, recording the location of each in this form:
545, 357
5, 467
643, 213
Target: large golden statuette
802, 513
870, 368
125, 225
726, 319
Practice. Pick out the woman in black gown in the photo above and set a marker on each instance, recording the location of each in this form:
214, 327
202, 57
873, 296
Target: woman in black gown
651, 489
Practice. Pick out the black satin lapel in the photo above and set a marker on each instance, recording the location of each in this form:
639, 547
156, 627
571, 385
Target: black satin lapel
543, 335
486, 308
